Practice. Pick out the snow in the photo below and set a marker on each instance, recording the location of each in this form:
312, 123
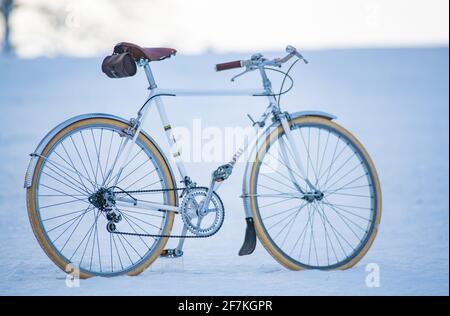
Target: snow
394, 100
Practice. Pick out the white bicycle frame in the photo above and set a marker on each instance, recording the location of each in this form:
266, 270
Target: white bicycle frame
155, 98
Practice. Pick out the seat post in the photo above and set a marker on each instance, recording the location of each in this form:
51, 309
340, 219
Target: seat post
149, 74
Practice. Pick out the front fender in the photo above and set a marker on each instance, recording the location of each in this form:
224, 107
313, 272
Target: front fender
246, 179
313, 113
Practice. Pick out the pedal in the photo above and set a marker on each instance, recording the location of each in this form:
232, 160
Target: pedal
249, 244
171, 253
223, 172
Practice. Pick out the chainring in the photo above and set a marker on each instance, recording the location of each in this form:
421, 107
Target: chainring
200, 223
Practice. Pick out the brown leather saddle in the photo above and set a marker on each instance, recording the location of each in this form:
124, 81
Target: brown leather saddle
150, 53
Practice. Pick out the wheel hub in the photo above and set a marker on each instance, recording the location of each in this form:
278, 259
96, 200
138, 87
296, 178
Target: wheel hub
313, 196
99, 199
104, 201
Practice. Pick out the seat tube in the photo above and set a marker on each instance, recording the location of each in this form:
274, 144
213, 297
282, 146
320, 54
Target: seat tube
150, 78
174, 148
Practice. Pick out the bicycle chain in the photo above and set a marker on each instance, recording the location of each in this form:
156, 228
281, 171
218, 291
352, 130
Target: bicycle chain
159, 235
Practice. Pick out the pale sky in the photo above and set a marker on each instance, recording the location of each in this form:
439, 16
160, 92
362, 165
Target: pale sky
86, 27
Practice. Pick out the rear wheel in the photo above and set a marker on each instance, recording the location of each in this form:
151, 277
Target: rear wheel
64, 200
331, 227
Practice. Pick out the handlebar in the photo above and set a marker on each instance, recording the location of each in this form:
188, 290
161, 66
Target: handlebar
257, 61
229, 65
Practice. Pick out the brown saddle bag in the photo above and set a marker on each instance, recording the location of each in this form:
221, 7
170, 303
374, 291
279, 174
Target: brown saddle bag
119, 65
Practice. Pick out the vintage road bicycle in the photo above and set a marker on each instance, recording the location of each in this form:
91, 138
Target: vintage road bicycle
102, 196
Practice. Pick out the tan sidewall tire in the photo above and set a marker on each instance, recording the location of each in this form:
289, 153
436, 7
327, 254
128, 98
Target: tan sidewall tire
34, 217
261, 232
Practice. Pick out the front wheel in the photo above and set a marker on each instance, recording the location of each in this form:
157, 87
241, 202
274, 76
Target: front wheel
323, 214
67, 209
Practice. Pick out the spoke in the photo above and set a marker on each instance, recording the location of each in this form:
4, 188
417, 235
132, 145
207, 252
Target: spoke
135, 231
63, 203
304, 236
323, 156
337, 232
98, 248
137, 168
111, 252
340, 167
266, 187
93, 245
289, 169
145, 175
61, 195
324, 216
327, 236
97, 151
282, 183
137, 218
289, 230
131, 246
128, 164
309, 160
301, 234
333, 160
89, 232
311, 235
71, 234
346, 224
117, 250
56, 190
278, 202
89, 157
82, 162
284, 211
284, 176
111, 170
64, 215
126, 251
325, 231
348, 188
107, 158
342, 216
317, 153
289, 215
121, 171
349, 194
351, 182
68, 221
72, 185
354, 206
59, 182
150, 185
347, 211
71, 164
314, 239
56, 165
96, 216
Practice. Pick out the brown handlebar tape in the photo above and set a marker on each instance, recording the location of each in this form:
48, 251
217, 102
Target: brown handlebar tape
229, 65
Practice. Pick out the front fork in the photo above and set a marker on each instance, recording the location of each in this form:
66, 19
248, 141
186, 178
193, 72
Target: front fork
295, 152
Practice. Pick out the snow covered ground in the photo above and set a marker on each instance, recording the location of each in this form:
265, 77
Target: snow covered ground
394, 100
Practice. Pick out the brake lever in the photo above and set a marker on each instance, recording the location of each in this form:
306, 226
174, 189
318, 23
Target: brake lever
240, 74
